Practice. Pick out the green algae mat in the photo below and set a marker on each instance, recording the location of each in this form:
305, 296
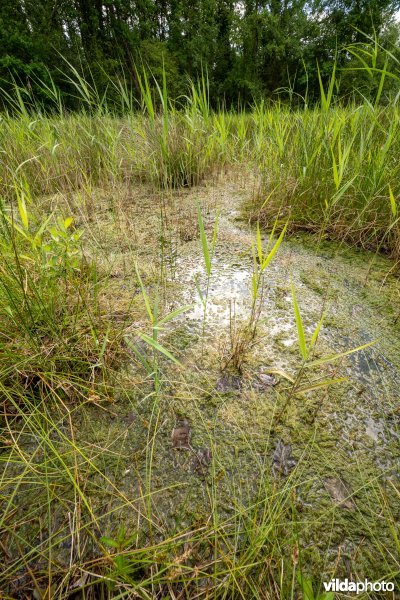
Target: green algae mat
217, 460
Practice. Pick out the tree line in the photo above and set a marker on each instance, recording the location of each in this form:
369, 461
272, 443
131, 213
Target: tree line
248, 49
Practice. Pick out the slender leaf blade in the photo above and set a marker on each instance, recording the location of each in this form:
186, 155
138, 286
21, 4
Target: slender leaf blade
299, 324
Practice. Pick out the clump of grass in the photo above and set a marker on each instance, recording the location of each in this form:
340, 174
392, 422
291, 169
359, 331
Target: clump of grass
330, 169
243, 337
52, 331
174, 142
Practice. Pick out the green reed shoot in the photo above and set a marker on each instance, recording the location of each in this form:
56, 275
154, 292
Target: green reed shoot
261, 260
157, 325
306, 349
208, 251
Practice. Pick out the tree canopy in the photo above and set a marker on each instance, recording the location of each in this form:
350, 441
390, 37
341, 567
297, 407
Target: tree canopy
249, 49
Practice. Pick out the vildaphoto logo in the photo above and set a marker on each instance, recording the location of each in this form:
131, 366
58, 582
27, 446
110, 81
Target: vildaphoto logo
338, 585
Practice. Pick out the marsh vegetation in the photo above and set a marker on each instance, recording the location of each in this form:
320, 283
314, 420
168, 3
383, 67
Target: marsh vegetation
199, 338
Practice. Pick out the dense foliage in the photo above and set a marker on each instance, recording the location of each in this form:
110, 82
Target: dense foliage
249, 49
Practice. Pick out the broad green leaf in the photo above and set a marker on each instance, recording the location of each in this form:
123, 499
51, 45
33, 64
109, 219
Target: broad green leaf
121, 533
306, 587
322, 91
174, 314
18, 228
23, 213
335, 172
317, 330
68, 222
109, 542
381, 82
8, 310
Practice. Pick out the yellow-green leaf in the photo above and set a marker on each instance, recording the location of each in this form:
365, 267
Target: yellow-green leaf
274, 249
23, 213
322, 361
317, 330
320, 384
154, 344
393, 204
300, 329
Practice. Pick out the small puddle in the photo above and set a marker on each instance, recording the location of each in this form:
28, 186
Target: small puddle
228, 294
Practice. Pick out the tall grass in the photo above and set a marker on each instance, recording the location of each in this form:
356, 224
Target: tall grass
331, 169
335, 173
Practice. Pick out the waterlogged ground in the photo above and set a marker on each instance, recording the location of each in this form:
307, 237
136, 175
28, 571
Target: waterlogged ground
344, 438
327, 460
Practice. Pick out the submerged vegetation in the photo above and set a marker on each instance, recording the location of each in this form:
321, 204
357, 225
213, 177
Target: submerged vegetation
192, 406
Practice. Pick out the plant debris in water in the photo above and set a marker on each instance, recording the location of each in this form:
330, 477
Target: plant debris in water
202, 461
282, 459
339, 491
181, 435
228, 382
